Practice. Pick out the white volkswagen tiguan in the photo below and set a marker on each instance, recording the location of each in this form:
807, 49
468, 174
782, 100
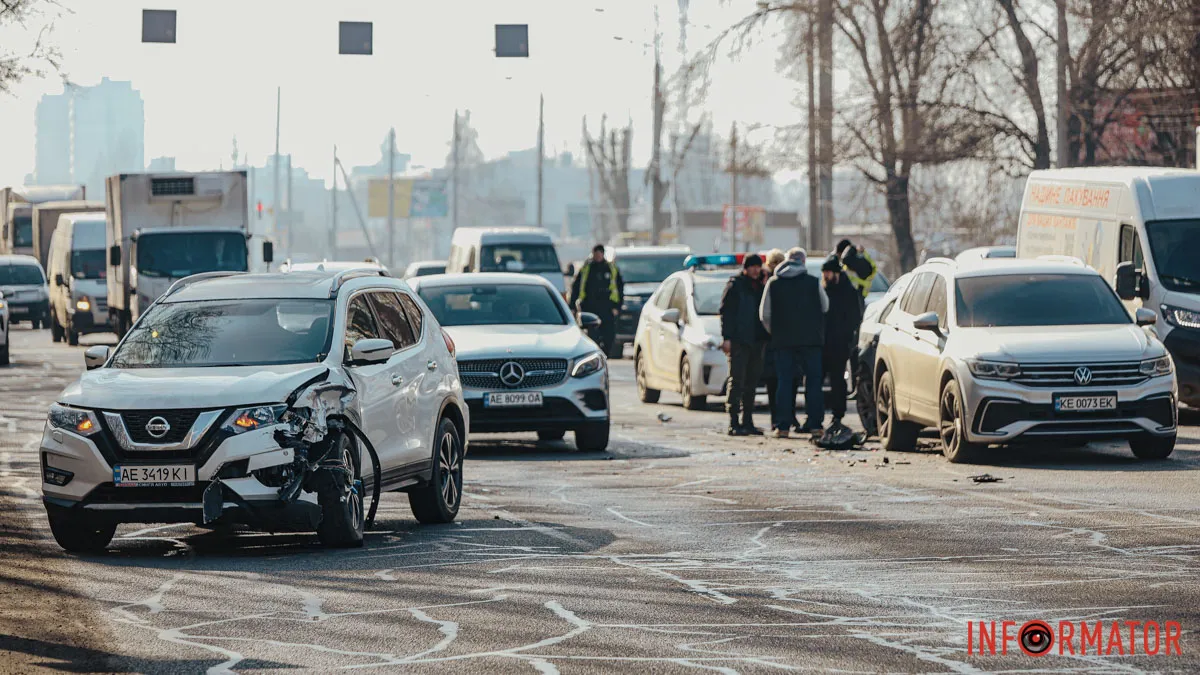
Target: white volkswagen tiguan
278, 401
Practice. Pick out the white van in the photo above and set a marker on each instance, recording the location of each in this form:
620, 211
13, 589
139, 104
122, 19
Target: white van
77, 265
1139, 228
506, 249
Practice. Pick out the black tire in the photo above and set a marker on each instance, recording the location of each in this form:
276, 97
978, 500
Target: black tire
1152, 447
592, 437
551, 434
690, 401
342, 514
72, 334
864, 402
437, 501
645, 394
952, 423
4, 358
78, 534
56, 329
894, 434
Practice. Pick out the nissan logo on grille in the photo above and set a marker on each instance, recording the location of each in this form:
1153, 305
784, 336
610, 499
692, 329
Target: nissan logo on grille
158, 427
1083, 376
512, 374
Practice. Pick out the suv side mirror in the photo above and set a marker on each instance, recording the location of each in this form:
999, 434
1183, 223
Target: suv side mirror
1145, 317
588, 321
59, 280
1127, 281
672, 315
928, 321
114, 255
268, 252
371, 350
95, 356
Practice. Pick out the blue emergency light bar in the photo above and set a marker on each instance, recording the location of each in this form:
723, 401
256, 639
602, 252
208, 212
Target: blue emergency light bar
715, 260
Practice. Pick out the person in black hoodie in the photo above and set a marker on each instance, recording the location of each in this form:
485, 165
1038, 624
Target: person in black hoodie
743, 340
841, 329
793, 312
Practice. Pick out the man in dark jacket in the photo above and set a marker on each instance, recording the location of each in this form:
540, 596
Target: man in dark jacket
841, 330
793, 312
599, 289
744, 338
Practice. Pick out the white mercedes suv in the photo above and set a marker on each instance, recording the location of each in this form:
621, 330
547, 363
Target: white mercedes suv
1000, 351
524, 362
279, 401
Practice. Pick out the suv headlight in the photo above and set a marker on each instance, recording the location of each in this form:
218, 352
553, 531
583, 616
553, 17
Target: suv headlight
1177, 316
74, 420
993, 370
254, 417
1156, 367
588, 364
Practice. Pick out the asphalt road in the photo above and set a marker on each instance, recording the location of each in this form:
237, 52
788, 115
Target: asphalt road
678, 550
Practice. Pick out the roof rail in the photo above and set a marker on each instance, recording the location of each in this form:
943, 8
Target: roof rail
340, 278
940, 261
189, 280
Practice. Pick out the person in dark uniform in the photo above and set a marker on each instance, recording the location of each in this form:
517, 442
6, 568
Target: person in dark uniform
743, 338
841, 330
599, 289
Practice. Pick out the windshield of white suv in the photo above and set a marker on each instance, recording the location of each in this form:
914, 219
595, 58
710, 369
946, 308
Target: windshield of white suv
518, 258
641, 269
211, 333
493, 305
1037, 300
1174, 243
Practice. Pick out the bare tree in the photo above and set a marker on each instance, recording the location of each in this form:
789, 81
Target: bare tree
19, 62
610, 153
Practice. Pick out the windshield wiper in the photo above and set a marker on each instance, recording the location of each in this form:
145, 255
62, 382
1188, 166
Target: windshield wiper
1182, 281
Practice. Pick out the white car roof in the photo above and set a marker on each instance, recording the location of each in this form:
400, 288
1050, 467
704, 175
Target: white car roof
303, 284
476, 279
1007, 266
332, 266
635, 251
19, 260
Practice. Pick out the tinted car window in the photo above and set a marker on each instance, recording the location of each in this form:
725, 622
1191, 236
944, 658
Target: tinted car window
707, 296
663, 299
918, 294
679, 299
360, 323
493, 305
525, 258
21, 275
89, 264
1037, 300
416, 317
648, 269
392, 321
228, 333
937, 300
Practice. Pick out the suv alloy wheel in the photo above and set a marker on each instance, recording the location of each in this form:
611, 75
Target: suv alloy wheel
952, 425
894, 433
437, 501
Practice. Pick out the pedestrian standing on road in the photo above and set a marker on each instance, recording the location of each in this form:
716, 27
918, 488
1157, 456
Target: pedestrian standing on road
774, 259
793, 312
599, 289
841, 330
861, 271
743, 338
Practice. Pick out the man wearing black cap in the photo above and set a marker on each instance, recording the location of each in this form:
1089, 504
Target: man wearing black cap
841, 330
744, 338
599, 289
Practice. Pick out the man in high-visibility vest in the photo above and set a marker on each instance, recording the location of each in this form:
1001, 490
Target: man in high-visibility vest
861, 270
599, 289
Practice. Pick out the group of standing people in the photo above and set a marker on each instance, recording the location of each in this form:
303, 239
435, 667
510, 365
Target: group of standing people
774, 312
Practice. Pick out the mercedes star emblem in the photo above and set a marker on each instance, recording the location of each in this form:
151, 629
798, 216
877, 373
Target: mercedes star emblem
157, 427
1083, 376
512, 374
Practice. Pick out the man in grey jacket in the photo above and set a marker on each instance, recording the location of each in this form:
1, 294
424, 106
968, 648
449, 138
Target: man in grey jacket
793, 311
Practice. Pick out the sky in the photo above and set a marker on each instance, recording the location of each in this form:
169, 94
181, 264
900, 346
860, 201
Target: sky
430, 58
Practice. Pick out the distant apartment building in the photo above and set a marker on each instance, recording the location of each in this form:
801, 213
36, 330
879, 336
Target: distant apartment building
88, 133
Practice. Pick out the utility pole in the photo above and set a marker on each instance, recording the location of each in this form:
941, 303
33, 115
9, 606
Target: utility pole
290, 225
454, 156
391, 216
275, 162
657, 191
333, 254
733, 186
541, 141
814, 211
1064, 107
825, 55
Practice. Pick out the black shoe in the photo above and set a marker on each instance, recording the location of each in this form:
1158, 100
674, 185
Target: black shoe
752, 430
737, 431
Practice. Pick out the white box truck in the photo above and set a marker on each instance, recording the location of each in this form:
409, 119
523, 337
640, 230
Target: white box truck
1140, 228
16, 209
45, 219
164, 227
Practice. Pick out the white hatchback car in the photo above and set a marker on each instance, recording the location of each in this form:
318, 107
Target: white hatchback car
280, 401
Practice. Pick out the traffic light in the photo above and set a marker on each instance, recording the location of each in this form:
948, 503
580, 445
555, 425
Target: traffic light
354, 37
512, 40
158, 25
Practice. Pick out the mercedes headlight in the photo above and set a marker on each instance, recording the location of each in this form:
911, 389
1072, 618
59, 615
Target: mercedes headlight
254, 417
588, 364
74, 420
1177, 316
1157, 367
993, 370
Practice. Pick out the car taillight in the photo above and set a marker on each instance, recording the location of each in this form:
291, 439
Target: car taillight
449, 342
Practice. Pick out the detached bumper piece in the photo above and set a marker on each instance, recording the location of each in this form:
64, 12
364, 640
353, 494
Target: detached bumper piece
996, 413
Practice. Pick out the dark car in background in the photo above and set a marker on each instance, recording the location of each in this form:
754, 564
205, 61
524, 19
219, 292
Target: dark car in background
642, 269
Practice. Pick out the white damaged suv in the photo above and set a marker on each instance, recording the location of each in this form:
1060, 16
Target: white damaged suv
279, 401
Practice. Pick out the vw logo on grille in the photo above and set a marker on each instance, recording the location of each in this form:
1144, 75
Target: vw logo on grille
1083, 376
512, 374
157, 427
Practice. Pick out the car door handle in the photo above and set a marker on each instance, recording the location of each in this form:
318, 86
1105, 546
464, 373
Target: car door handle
432, 365
397, 380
